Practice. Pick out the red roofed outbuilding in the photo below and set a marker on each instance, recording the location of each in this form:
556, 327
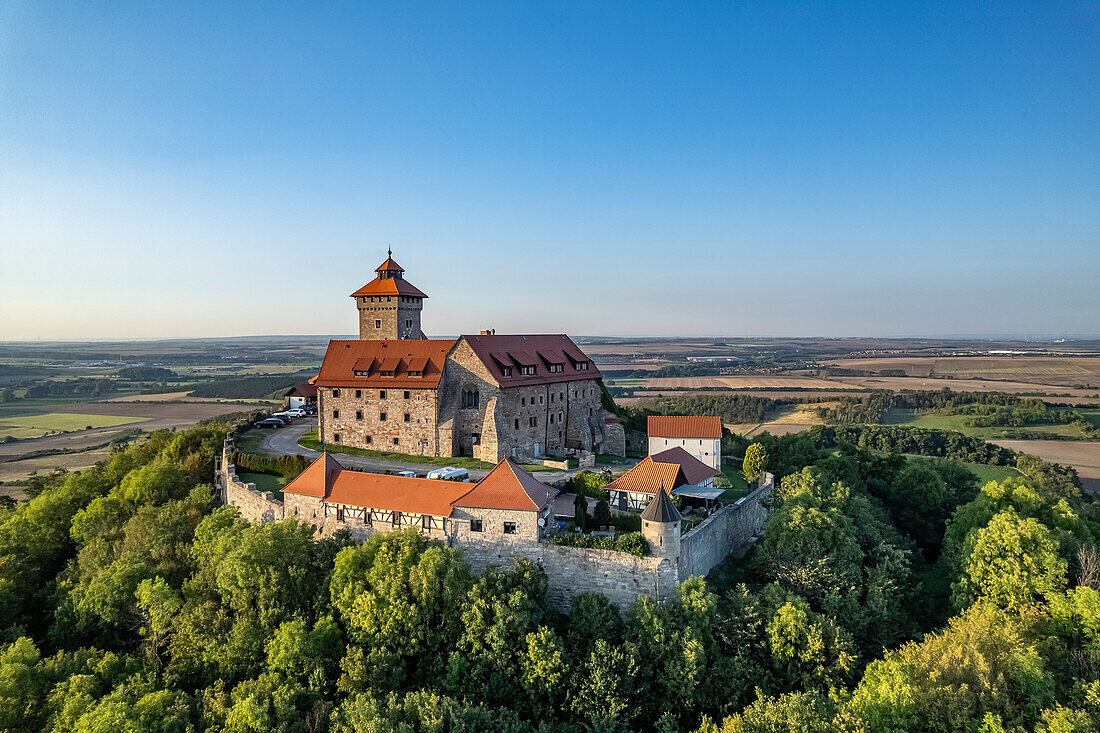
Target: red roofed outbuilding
699, 435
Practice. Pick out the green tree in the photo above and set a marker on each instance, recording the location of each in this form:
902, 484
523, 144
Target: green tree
580, 512
1011, 562
756, 460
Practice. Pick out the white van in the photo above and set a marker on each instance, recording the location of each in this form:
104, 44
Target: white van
449, 473
406, 474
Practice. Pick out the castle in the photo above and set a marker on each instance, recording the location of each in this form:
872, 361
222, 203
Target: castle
487, 396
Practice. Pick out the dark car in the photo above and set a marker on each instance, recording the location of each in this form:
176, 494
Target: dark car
268, 423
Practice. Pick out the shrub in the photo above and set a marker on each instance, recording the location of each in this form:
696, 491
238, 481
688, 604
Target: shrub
589, 483
627, 522
632, 543
285, 466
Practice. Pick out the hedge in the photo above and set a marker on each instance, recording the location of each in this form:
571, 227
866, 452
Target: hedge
632, 543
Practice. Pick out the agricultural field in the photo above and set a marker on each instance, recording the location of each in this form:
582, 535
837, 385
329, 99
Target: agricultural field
913, 419
1082, 455
34, 426
1058, 371
735, 382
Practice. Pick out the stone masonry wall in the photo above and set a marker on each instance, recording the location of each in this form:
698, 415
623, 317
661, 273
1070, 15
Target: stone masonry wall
399, 316
356, 414
573, 570
259, 507
721, 533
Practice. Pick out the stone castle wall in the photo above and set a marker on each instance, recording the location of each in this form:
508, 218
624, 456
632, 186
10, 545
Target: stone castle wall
721, 533
389, 316
256, 506
569, 570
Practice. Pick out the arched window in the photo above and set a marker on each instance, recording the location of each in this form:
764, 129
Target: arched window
471, 398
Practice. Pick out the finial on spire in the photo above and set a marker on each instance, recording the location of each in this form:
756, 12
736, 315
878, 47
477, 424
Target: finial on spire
389, 251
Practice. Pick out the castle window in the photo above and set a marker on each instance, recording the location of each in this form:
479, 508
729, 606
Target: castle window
551, 396
471, 399
523, 401
358, 414
533, 421
382, 416
551, 419
590, 412
408, 324
358, 393
406, 417
378, 324
517, 423
381, 394
396, 441
368, 440
475, 525
509, 528
540, 399
407, 391
336, 437
336, 413
506, 371
335, 393
559, 417
561, 396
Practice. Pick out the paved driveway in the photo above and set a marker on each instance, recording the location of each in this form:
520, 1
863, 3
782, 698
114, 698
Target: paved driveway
284, 441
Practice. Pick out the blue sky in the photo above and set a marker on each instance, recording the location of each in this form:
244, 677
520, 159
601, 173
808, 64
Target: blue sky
215, 169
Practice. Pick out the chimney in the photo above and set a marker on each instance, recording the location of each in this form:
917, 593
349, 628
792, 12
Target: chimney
489, 332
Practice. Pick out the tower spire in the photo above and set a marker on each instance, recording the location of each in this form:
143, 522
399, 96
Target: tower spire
389, 251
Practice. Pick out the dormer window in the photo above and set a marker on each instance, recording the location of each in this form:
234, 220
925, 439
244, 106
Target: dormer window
527, 371
388, 373
582, 366
557, 368
506, 371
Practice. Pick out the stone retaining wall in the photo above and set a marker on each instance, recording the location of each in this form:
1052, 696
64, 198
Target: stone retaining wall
729, 528
259, 507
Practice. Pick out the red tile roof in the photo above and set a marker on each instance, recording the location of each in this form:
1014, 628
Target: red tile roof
305, 389
684, 426
317, 479
539, 350
389, 286
344, 358
389, 266
508, 487
648, 476
695, 471
396, 493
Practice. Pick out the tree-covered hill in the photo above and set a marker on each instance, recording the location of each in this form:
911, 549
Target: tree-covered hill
887, 594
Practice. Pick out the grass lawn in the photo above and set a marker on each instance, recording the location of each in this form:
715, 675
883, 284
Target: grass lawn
984, 473
33, 426
739, 487
309, 440
265, 482
249, 440
913, 419
1092, 416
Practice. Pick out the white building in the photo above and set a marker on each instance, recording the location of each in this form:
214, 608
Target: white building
699, 436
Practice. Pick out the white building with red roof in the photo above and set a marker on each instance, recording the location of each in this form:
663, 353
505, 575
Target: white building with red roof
701, 436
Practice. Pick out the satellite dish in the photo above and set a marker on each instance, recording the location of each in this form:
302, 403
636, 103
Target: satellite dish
542, 521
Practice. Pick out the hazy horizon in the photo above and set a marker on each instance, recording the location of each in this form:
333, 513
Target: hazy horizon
207, 170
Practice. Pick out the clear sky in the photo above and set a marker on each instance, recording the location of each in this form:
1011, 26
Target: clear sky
879, 168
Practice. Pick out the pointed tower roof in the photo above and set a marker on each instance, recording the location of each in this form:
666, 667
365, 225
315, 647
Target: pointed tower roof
389, 265
661, 509
508, 487
317, 479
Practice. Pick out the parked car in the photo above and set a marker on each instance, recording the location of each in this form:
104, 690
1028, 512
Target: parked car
449, 473
294, 412
281, 419
310, 409
406, 474
269, 422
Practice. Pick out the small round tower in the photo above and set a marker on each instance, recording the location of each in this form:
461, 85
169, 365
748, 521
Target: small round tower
661, 526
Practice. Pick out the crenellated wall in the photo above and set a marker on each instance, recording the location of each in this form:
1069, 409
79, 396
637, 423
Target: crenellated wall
256, 506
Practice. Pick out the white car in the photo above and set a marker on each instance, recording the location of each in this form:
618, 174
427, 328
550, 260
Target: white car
294, 412
449, 473
407, 474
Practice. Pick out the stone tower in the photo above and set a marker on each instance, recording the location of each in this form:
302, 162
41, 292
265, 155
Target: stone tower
661, 526
389, 306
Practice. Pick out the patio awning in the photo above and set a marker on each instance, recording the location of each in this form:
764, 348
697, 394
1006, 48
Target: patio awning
698, 492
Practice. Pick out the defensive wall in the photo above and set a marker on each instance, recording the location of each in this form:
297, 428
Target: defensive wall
729, 528
619, 576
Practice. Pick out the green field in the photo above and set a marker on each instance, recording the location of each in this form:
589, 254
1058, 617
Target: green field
913, 419
265, 482
34, 426
309, 440
984, 473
